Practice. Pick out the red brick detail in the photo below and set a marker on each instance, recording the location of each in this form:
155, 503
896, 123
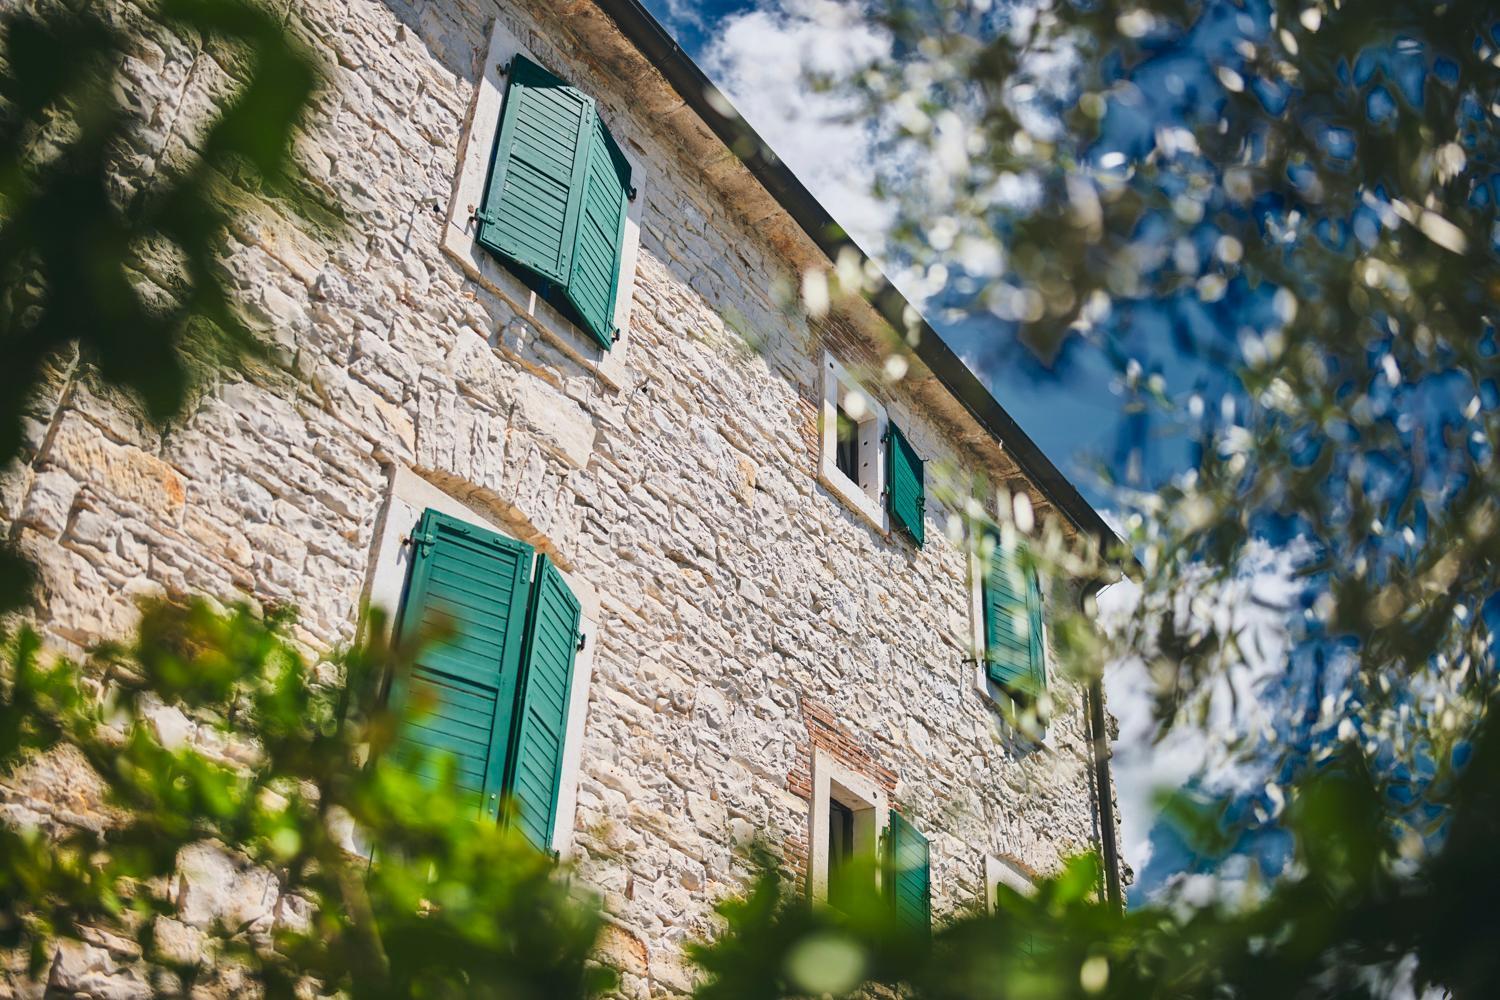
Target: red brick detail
807, 426
826, 733
837, 334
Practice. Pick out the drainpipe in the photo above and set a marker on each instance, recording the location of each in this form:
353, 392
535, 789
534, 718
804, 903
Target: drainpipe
1099, 739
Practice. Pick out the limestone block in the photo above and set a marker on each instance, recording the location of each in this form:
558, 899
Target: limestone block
59, 787
80, 969
217, 888
116, 470
50, 500
177, 943
554, 420
622, 950
83, 608
15, 483
172, 729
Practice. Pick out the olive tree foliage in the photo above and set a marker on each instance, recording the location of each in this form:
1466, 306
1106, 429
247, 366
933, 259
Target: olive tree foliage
402, 890
1299, 197
108, 249
1348, 924
1293, 204
110, 257
1330, 169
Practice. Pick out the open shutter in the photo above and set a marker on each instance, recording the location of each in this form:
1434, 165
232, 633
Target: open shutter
468, 588
535, 192
1034, 619
905, 487
1009, 652
541, 722
910, 873
595, 278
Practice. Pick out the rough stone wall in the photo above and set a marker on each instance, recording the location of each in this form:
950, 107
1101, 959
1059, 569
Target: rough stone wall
748, 614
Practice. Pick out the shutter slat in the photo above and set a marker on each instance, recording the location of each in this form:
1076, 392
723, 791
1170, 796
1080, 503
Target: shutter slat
463, 555
464, 608
458, 697
905, 487
430, 771
457, 591
476, 574
546, 678
444, 661
440, 732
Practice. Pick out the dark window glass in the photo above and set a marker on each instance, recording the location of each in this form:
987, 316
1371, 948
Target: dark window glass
846, 452
840, 846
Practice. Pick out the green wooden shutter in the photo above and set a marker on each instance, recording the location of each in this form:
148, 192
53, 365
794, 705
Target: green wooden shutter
909, 861
1036, 649
557, 195
542, 714
905, 496
469, 587
535, 192
1012, 642
595, 278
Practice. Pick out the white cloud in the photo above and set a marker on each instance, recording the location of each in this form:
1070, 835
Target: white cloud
682, 13
1253, 602
762, 58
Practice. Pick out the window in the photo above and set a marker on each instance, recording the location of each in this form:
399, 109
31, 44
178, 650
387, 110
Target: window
840, 846
848, 819
847, 454
1010, 635
866, 459
498, 697
547, 208
998, 874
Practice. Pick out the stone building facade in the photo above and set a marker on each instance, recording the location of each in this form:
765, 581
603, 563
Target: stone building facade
761, 636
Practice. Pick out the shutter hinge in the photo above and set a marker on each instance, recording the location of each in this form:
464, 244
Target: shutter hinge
422, 538
582, 641
486, 218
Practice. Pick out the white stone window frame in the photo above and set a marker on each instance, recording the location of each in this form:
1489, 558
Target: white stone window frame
460, 230
997, 870
987, 689
834, 780
866, 497
409, 495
